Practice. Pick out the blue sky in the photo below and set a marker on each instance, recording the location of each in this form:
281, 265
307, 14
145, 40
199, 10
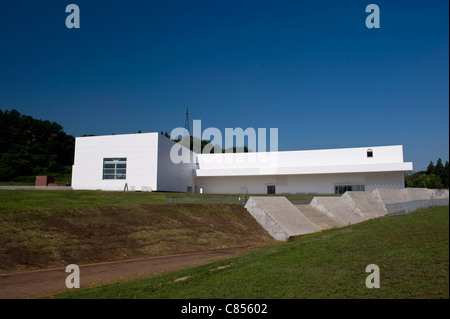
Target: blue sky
312, 69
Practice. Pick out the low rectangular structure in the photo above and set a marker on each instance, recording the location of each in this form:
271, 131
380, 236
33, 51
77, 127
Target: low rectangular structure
147, 161
41, 181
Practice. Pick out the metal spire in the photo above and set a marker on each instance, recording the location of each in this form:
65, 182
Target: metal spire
186, 123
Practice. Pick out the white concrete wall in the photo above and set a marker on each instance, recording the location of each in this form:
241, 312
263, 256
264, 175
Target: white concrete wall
314, 158
173, 177
349, 160
139, 149
294, 184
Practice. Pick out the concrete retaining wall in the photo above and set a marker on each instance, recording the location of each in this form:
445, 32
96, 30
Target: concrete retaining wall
365, 204
407, 207
411, 194
338, 208
283, 220
388, 195
439, 193
317, 217
406, 200
279, 217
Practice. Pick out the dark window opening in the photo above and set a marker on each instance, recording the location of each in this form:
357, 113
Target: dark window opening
341, 189
270, 189
114, 168
369, 153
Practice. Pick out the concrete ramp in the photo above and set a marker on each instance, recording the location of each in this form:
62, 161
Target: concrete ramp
279, 217
365, 203
283, 220
338, 209
318, 218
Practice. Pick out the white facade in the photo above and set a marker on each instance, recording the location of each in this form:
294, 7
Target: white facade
149, 167
295, 184
318, 171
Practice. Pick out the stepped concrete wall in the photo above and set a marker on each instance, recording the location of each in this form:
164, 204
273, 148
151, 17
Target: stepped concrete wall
283, 220
317, 217
279, 217
365, 203
338, 209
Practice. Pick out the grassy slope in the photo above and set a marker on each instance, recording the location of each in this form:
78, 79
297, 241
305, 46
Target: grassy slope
45, 228
53, 237
412, 252
21, 200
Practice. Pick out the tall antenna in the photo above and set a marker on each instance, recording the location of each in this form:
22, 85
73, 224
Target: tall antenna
186, 122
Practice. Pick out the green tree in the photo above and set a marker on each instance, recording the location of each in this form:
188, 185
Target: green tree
439, 169
32, 147
445, 177
436, 176
430, 168
425, 181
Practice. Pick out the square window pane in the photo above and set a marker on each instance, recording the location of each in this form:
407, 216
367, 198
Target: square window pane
114, 168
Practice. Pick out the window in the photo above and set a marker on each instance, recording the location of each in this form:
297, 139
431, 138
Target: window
341, 189
114, 168
270, 189
369, 153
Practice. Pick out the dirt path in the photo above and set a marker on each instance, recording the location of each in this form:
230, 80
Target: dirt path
39, 283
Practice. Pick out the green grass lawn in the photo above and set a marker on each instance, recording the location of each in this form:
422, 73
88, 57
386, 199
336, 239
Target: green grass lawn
15, 200
16, 183
412, 252
21, 200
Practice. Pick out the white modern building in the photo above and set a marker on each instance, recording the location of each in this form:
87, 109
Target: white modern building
143, 162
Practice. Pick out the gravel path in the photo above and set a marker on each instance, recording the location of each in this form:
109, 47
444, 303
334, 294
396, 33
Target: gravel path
40, 283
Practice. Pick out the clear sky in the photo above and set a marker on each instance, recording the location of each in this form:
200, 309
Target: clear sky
312, 69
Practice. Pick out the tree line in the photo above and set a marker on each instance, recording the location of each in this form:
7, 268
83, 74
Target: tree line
30, 147
436, 176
